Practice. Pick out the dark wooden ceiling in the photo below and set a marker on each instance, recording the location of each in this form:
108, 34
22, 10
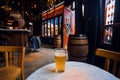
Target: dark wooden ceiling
29, 6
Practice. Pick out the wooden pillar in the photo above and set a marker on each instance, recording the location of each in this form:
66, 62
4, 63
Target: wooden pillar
79, 22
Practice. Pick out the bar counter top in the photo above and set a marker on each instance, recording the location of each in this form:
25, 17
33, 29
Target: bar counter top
23, 30
15, 37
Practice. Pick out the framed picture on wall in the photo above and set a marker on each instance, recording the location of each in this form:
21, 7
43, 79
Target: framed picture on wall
108, 35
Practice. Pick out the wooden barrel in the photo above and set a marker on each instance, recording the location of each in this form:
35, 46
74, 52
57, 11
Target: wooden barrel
57, 41
77, 48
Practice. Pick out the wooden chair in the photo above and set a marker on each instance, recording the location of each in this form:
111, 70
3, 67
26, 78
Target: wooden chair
14, 62
109, 55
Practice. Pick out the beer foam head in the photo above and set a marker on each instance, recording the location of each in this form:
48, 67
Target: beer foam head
59, 54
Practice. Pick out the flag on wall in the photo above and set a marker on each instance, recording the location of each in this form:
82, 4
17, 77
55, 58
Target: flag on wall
67, 19
69, 25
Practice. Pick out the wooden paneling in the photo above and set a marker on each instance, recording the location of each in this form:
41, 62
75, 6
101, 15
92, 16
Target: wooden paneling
54, 12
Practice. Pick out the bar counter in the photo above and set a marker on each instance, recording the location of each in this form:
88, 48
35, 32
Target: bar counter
15, 37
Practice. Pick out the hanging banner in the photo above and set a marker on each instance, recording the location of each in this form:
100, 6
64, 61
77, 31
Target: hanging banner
72, 28
69, 25
67, 19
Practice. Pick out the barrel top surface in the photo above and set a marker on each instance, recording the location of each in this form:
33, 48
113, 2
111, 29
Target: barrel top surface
78, 35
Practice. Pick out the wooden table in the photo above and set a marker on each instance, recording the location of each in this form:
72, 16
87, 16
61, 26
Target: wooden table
73, 71
15, 37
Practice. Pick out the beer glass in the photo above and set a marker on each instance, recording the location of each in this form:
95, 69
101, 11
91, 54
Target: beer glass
60, 59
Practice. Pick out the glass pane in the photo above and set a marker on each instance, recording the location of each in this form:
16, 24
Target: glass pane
48, 27
60, 23
45, 28
52, 27
108, 35
109, 8
56, 26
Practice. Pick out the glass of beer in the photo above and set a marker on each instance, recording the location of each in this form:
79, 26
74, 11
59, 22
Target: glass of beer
60, 59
